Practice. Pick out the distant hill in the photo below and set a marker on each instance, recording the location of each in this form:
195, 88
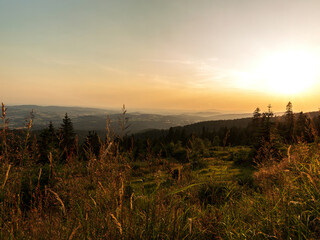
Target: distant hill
196, 128
94, 119
89, 119
214, 125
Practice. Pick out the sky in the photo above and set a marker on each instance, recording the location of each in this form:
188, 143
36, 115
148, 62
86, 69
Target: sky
184, 55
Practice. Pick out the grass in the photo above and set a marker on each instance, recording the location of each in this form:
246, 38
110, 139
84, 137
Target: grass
111, 197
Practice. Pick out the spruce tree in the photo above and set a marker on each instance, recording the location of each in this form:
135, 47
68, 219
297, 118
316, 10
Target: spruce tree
67, 135
267, 124
256, 127
289, 123
256, 116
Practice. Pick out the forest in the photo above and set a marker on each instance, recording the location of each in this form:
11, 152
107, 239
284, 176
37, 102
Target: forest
251, 178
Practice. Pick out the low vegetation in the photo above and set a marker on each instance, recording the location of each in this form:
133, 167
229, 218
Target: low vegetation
53, 187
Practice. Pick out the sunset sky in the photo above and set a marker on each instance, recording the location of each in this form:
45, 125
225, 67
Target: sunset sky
228, 55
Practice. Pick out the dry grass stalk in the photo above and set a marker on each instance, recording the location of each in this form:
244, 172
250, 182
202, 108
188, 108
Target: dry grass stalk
108, 130
289, 156
29, 125
117, 223
40, 172
311, 180
131, 201
74, 231
3, 110
59, 199
51, 163
190, 225
121, 192
3, 117
104, 190
7, 175
95, 203
106, 151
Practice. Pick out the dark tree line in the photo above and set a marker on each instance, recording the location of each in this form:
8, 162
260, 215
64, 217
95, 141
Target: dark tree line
264, 127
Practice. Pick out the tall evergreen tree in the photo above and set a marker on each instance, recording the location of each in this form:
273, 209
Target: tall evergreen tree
255, 127
67, 135
267, 123
256, 116
289, 123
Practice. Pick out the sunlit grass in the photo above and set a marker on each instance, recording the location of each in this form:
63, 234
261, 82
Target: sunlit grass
111, 197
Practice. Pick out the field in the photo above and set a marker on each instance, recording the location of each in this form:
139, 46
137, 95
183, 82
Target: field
110, 197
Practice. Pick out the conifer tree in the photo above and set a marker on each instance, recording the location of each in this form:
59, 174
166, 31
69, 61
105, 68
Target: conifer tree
67, 135
256, 127
289, 123
256, 116
266, 123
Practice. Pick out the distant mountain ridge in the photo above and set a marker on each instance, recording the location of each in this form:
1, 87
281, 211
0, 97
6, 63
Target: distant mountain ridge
213, 125
89, 119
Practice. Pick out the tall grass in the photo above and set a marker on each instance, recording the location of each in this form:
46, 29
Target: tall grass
95, 199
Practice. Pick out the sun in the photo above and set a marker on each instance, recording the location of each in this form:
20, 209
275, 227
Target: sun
290, 72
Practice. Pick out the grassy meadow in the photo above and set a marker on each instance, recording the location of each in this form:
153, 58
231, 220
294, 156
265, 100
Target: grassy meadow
112, 195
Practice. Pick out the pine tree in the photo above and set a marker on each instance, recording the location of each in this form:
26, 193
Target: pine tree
256, 116
256, 127
267, 124
289, 123
67, 135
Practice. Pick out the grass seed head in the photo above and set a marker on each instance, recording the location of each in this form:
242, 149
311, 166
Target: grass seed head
3, 110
